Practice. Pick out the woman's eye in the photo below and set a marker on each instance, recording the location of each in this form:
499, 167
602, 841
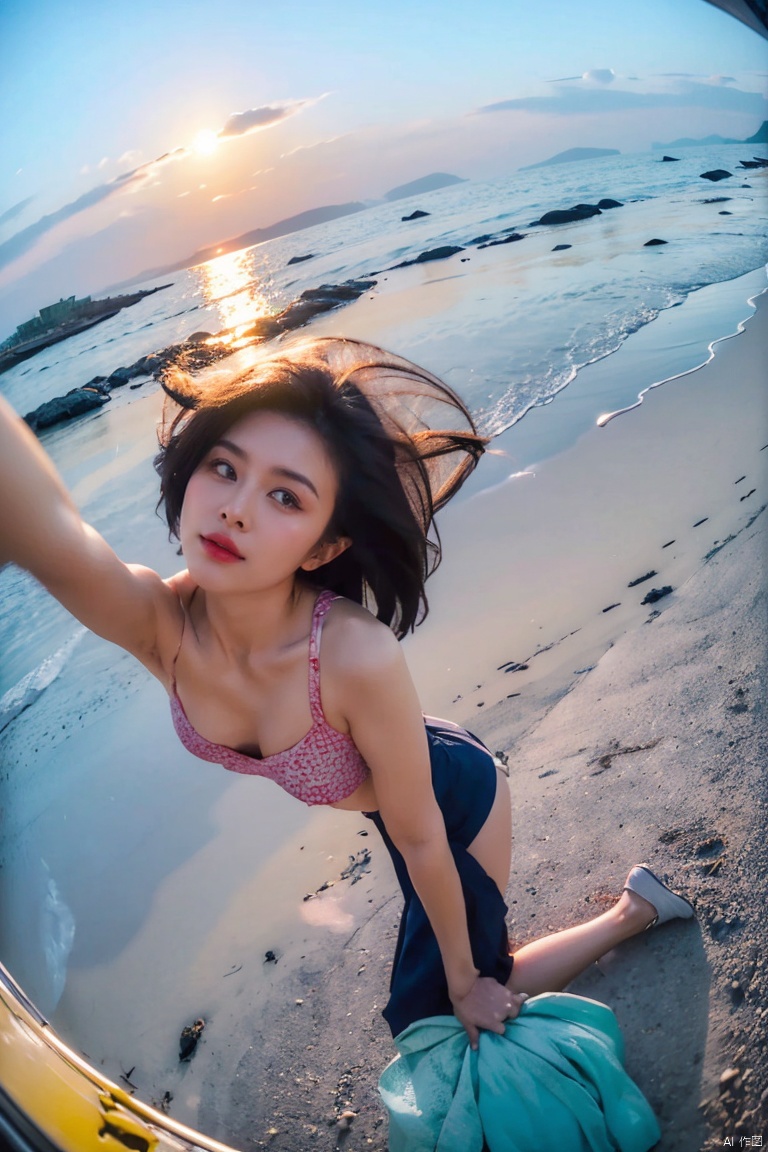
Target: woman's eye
285, 498
224, 469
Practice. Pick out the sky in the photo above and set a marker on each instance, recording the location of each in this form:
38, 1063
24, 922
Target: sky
136, 134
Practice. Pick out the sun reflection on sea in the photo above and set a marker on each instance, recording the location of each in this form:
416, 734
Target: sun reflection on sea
228, 285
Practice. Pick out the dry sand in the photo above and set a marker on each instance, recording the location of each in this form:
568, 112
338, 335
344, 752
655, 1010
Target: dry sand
655, 754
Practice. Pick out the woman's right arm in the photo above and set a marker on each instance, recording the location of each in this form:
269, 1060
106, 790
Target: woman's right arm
42, 530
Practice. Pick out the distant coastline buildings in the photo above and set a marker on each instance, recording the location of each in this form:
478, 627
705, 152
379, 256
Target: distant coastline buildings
65, 318
50, 317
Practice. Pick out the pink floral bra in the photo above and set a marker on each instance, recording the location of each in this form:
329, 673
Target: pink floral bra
323, 768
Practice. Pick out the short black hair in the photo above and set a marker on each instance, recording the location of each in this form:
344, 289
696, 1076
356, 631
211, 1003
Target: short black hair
369, 408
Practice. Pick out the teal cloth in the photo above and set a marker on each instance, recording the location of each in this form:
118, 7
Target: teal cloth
555, 1080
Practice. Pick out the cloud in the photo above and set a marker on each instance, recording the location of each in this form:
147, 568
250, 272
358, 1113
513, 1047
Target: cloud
592, 76
600, 75
239, 124
23, 241
314, 144
255, 119
166, 158
15, 210
717, 80
574, 101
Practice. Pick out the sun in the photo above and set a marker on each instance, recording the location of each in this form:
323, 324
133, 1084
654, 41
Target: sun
205, 142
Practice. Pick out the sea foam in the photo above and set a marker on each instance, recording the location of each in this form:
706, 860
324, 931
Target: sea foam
26, 691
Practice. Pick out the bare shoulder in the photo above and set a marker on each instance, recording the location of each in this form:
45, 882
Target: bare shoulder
355, 645
182, 586
171, 597
366, 685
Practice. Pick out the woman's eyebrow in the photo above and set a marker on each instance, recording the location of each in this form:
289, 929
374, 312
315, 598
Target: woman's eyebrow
287, 473
231, 447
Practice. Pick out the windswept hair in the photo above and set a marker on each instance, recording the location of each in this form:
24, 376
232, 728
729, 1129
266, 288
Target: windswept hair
401, 440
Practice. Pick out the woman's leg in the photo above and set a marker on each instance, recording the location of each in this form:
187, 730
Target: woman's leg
552, 962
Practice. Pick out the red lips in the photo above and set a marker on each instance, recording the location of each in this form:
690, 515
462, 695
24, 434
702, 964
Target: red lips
221, 548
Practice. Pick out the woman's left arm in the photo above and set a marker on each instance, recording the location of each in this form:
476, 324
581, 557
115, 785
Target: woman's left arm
387, 726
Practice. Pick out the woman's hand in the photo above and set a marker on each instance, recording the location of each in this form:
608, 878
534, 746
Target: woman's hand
487, 1005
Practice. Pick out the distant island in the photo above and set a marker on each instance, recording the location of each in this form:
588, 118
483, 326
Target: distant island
285, 227
424, 184
56, 322
572, 154
760, 137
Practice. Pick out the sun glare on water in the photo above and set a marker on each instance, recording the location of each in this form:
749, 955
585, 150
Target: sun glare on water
205, 142
228, 282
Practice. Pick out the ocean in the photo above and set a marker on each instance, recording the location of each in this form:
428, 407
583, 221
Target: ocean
551, 313
508, 326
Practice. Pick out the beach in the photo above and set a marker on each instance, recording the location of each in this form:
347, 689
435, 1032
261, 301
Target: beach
632, 732
655, 754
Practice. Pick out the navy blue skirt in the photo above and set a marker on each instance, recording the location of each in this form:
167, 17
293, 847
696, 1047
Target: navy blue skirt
464, 779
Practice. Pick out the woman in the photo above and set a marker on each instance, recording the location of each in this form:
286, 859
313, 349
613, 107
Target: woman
303, 493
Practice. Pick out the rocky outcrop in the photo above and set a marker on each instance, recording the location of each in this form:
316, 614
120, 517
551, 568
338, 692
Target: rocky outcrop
441, 253
503, 240
300, 259
568, 215
198, 351
716, 174
669, 159
121, 376
577, 212
654, 243
417, 215
75, 403
316, 300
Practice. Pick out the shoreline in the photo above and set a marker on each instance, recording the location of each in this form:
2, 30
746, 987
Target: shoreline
671, 344
752, 302
571, 570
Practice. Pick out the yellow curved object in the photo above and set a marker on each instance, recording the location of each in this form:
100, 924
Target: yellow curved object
74, 1107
